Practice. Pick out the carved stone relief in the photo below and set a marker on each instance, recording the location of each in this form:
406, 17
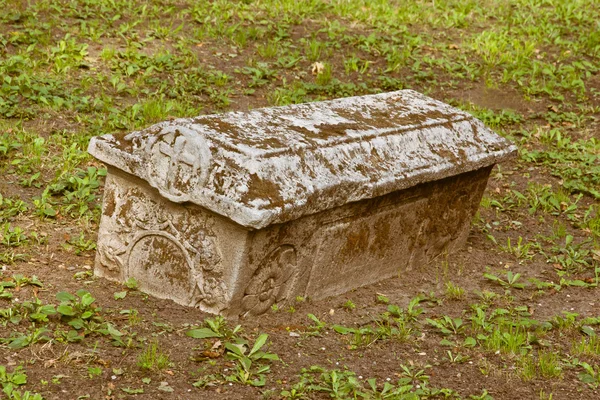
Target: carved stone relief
271, 281
170, 250
183, 160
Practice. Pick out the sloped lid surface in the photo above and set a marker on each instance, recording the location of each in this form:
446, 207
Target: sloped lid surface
274, 165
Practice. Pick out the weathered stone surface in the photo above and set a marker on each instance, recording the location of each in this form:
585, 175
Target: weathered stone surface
234, 212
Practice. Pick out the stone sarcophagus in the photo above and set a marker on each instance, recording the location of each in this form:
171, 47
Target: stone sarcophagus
235, 212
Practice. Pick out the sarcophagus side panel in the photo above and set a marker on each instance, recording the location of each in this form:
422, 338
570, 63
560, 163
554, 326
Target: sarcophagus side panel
174, 251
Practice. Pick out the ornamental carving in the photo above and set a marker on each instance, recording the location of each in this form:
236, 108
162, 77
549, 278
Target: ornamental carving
180, 160
271, 281
170, 250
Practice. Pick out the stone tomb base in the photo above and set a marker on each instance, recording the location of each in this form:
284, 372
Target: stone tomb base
196, 257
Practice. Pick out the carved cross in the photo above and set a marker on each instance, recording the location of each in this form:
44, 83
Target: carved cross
178, 153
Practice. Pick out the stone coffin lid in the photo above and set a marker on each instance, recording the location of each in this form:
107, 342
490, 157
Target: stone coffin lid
274, 165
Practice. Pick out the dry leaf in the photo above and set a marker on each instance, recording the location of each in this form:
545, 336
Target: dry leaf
317, 68
104, 363
210, 354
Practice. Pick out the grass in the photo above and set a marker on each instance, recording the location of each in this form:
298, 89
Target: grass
526, 68
153, 358
454, 292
